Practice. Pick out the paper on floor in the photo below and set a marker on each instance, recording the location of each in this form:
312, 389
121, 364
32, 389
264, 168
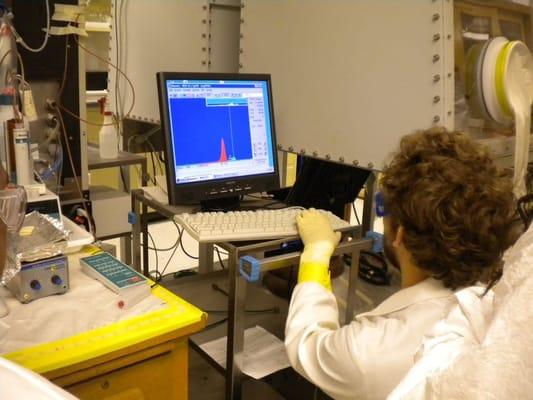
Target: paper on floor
264, 353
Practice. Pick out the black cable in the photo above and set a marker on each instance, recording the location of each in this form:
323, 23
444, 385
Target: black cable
356, 215
123, 179
180, 274
152, 148
152, 177
156, 255
214, 324
165, 248
158, 156
181, 242
219, 289
220, 258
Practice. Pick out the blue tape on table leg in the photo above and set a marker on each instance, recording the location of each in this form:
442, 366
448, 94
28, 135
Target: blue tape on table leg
132, 217
251, 264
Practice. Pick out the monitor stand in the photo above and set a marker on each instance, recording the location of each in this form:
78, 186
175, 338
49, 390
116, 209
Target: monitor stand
222, 204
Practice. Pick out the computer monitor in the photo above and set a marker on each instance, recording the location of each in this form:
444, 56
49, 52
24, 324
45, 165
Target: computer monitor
220, 139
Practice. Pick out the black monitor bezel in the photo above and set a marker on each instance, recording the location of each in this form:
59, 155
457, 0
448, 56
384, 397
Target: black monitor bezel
221, 188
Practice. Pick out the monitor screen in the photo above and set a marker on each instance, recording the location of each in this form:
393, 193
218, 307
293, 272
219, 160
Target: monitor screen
219, 134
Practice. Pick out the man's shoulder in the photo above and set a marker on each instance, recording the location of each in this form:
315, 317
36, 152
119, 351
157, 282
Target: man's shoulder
430, 293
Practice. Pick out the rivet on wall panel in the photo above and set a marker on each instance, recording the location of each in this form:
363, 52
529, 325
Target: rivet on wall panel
436, 57
242, 5
242, 20
315, 153
436, 78
204, 21
355, 162
240, 65
449, 74
242, 35
204, 62
436, 119
448, 36
328, 157
436, 37
204, 49
291, 148
241, 50
436, 99
204, 7
204, 35
302, 151
436, 17
370, 165
341, 159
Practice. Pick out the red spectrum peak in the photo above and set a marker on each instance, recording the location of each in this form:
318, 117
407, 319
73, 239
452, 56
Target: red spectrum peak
223, 155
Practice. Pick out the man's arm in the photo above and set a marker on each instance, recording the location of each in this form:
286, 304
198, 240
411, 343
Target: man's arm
364, 359
354, 361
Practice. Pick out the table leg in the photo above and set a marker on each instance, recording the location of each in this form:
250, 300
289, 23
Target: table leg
144, 230
136, 232
369, 213
235, 343
352, 285
205, 259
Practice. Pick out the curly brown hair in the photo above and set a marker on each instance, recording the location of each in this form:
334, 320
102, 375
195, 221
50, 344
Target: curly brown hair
455, 205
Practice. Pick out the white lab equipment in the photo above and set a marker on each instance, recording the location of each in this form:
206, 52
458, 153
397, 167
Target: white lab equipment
482, 349
499, 78
23, 162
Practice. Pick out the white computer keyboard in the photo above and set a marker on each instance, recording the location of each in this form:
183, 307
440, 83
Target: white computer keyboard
247, 225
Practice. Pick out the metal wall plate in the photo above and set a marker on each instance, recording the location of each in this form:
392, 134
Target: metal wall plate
350, 78
156, 35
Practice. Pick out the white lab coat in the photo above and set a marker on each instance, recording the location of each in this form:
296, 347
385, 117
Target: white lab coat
483, 349
20, 383
368, 357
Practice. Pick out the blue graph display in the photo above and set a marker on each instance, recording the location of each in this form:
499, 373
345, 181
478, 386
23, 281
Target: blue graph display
206, 133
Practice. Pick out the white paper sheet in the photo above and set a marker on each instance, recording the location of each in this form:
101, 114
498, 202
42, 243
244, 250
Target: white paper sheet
87, 305
264, 353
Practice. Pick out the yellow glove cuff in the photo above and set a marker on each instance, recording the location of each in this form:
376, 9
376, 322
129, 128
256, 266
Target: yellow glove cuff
315, 272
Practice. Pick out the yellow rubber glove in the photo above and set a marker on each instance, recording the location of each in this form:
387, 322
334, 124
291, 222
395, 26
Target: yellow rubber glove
319, 243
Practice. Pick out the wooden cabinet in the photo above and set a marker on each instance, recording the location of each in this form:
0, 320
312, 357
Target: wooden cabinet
157, 372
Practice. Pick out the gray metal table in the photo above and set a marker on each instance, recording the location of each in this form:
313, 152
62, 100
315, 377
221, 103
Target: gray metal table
352, 244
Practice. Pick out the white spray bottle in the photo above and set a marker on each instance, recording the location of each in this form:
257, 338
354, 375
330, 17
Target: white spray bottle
108, 134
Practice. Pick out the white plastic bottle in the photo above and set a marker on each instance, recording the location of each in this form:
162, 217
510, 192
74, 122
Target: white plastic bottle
22, 155
108, 134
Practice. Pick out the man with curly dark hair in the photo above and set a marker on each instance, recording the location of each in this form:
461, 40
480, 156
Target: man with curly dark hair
448, 217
